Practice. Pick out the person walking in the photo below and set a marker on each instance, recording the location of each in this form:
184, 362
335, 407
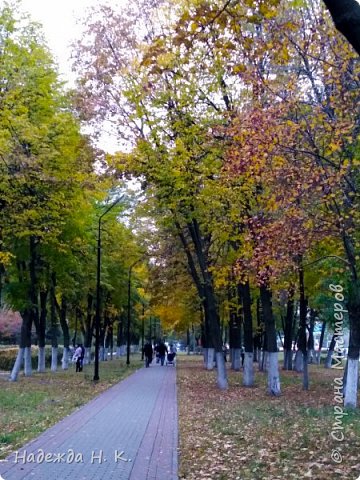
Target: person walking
162, 350
148, 354
77, 358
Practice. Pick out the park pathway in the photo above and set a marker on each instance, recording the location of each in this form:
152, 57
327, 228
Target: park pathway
128, 432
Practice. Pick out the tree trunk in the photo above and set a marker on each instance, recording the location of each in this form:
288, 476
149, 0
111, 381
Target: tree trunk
53, 321
42, 330
346, 16
299, 361
248, 376
17, 365
289, 330
221, 369
302, 343
273, 366
120, 336
321, 342
210, 357
352, 378
66, 334
27, 362
41, 360
88, 328
234, 329
311, 344
25, 342
330, 352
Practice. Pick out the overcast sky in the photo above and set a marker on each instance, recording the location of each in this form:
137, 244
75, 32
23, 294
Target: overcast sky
59, 20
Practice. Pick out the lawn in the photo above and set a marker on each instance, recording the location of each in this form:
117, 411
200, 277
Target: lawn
33, 404
240, 434
245, 434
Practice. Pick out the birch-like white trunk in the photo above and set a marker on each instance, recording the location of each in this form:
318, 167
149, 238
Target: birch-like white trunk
222, 381
210, 358
27, 362
118, 352
248, 377
41, 360
236, 359
54, 357
299, 363
65, 359
273, 374
106, 351
352, 379
17, 365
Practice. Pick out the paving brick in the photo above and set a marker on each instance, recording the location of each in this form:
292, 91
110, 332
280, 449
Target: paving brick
138, 417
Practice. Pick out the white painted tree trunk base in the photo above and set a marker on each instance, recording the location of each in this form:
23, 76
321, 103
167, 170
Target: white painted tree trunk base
352, 380
27, 362
299, 363
101, 354
87, 356
205, 356
106, 351
222, 381
41, 360
236, 359
248, 377
54, 355
65, 359
311, 356
328, 360
273, 374
17, 365
288, 364
210, 359
264, 362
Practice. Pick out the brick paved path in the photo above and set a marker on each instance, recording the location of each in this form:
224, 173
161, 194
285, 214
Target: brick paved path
128, 432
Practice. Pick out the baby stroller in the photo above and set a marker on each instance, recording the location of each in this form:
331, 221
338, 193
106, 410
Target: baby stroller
170, 359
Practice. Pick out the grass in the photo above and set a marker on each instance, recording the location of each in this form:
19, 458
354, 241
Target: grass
33, 404
243, 434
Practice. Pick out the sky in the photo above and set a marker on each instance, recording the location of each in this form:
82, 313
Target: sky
59, 21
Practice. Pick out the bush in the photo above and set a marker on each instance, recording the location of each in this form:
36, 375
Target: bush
8, 357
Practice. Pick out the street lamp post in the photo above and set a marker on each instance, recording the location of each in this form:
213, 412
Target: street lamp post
97, 311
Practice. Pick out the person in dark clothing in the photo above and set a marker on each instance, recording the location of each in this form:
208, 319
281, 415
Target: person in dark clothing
162, 350
148, 353
82, 356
